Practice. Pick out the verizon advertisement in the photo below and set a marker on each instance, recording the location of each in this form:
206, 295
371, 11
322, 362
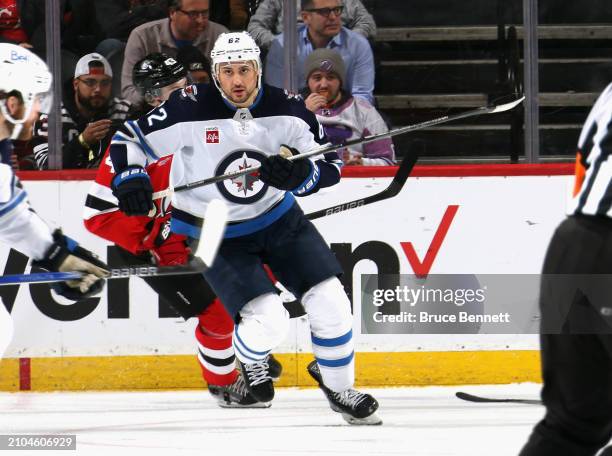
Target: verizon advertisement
435, 226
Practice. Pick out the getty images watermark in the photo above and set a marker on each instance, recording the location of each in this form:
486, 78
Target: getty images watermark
420, 296
449, 304
483, 303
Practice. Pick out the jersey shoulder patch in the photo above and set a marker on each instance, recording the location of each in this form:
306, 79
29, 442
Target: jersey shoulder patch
189, 93
292, 95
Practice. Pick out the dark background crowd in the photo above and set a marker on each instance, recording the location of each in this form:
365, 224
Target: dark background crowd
101, 41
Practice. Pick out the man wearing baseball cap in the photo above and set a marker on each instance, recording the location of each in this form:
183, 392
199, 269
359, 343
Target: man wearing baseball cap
342, 115
89, 114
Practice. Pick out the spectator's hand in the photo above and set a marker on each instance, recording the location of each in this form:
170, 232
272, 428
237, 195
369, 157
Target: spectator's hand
96, 131
315, 102
26, 45
352, 158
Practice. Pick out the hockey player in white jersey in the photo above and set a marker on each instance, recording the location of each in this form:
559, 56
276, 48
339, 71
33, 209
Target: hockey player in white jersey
20, 227
236, 124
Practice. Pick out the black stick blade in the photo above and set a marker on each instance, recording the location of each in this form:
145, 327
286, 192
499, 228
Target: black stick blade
489, 400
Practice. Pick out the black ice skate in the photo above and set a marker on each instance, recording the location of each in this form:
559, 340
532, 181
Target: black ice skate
355, 407
235, 395
258, 380
275, 368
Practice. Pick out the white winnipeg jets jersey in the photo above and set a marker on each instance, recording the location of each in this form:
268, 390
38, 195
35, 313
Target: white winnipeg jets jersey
20, 227
209, 137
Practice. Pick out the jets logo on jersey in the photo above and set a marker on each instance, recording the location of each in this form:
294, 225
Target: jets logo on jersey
212, 135
245, 189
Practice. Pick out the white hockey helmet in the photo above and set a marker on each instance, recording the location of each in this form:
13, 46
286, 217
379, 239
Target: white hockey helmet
22, 70
235, 47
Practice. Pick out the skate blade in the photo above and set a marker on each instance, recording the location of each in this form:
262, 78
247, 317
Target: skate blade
372, 420
242, 406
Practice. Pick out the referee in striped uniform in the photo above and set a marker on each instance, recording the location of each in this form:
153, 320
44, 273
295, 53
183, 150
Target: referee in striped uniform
576, 306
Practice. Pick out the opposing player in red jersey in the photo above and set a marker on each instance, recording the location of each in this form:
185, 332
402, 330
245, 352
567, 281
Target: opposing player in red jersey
145, 238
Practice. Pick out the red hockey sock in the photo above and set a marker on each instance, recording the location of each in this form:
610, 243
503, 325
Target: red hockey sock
215, 351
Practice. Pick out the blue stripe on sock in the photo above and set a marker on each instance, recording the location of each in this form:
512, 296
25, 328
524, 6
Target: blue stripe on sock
335, 342
335, 362
262, 354
237, 348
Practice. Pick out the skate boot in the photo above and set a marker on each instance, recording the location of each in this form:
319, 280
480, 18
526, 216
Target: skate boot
257, 380
275, 368
355, 407
235, 395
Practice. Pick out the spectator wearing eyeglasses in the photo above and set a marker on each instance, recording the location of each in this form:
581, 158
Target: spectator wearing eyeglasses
267, 22
90, 117
323, 29
188, 24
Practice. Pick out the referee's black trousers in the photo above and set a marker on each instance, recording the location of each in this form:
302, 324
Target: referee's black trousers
576, 341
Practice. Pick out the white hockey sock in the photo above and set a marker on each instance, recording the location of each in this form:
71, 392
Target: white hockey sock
6, 329
264, 325
331, 323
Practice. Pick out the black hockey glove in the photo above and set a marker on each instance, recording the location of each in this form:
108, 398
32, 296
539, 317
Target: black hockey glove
65, 255
132, 187
284, 174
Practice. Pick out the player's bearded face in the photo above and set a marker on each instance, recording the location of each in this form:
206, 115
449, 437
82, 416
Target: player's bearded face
93, 91
238, 81
324, 83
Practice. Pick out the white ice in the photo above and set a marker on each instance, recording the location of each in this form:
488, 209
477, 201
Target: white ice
417, 421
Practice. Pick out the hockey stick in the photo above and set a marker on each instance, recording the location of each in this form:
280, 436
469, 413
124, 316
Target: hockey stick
144, 270
353, 142
213, 230
396, 185
486, 400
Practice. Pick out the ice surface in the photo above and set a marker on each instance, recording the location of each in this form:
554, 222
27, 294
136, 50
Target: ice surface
417, 421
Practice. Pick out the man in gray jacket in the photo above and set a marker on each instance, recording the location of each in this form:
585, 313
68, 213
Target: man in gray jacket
187, 25
267, 22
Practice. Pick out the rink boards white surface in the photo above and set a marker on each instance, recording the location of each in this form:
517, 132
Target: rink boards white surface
417, 422
502, 225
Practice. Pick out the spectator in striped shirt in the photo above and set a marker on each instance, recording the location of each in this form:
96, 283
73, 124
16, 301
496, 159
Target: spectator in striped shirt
90, 116
342, 115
